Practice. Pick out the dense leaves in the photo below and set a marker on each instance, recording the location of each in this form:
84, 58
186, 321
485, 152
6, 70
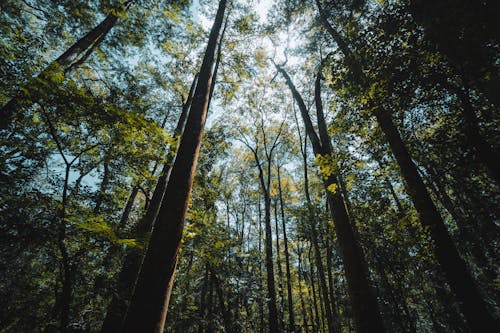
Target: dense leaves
84, 140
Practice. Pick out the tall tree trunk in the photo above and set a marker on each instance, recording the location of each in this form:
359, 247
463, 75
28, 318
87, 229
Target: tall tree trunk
461, 282
149, 304
458, 276
484, 151
101, 195
129, 272
271, 289
226, 314
331, 284
363, 301
462, 31
317, 316
281, 293
291, 315
203, 300
305, 323
332, 324
128, 208
261, 282
72, 57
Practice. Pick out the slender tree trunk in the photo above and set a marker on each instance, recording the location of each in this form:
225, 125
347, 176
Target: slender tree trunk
129, 272
461, 282
484, 151
301, 294
66, 294
329, 268
322, 279
103, 187
458, 276
203, 300
261, 302
149, 304
271, 289
281, 314
313, 287
210, 301
363, 301
72, 57
291, 315
128, 208
226, 314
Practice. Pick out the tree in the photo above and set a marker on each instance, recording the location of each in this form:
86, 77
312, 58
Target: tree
148, 306
364, 303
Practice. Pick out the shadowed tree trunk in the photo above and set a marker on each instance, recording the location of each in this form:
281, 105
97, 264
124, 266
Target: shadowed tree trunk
131, 265
485, 153
149, 304
291, 315
363, 301
458, 276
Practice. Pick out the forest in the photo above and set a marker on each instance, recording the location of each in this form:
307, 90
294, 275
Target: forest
205, 166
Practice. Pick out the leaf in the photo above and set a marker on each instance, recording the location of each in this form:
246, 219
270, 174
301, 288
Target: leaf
332, 188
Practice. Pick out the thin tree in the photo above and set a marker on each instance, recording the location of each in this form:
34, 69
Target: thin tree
363, 301
291, 315
264, 168
458, 276
131, 265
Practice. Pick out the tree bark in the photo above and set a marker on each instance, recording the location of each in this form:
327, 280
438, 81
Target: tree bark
268, 247
129, 272
461, 282
458, 276
291, 315
363, 301
149, 304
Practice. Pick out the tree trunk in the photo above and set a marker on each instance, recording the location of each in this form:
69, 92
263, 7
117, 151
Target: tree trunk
271, 289
203, 300
363, 301
129, 272
461, 282
484, 151
329, 268
291, 315
226, 314
301, 295
149, 304
317, 314
332, 324
281, 293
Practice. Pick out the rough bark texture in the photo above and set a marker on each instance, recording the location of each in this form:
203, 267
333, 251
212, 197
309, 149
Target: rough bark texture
149, 304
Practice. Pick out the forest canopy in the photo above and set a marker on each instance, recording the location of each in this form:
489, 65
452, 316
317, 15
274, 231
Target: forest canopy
249, 166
